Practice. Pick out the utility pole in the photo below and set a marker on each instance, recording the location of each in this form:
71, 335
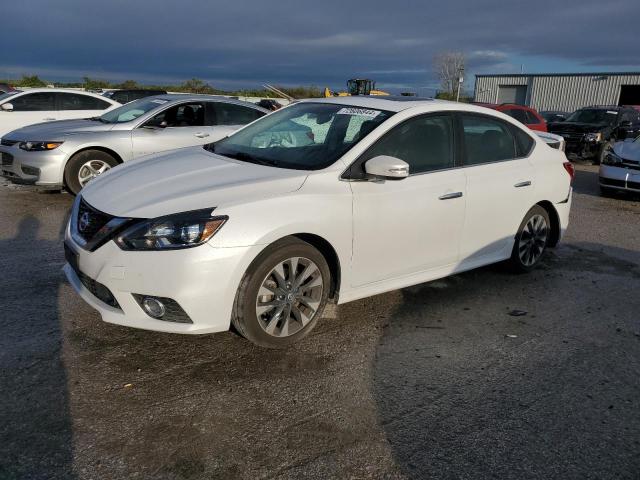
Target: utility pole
460, 80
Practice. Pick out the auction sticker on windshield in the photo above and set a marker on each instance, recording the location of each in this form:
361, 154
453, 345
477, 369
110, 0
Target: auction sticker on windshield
362, 112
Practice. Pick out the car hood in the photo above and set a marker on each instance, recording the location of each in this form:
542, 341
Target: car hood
557, 127
56, 130
185, 179
628, 150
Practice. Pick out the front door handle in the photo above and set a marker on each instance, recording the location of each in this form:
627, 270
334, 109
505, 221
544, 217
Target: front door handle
449, 196
523, 184
201, 135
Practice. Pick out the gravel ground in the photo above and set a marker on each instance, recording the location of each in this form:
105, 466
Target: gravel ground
441, 380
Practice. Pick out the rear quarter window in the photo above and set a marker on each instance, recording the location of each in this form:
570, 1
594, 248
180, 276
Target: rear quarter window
524, 142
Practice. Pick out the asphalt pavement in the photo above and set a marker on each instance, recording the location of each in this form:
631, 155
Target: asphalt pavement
481, 375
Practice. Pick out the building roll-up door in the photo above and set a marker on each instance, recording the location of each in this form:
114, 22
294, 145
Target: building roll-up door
512, 94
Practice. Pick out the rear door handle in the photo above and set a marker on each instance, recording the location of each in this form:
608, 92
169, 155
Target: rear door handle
523, 184
449, 196
201, 135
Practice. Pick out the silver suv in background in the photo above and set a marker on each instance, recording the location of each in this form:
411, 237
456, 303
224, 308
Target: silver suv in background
72, 153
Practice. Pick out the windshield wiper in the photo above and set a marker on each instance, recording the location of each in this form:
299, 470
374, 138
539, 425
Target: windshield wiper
98, 119
245, 157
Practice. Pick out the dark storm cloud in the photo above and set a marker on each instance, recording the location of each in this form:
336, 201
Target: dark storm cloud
245, 43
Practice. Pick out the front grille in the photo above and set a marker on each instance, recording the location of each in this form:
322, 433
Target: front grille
631, 165
90, 221
8, 143
7, 159
97, 289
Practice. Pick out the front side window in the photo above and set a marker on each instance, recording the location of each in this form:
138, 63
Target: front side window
425, 143
487, 140
304, 136
132, 110
76, 101
183, 115
232, 114
34, 102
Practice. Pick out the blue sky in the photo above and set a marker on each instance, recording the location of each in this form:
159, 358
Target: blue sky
248, 43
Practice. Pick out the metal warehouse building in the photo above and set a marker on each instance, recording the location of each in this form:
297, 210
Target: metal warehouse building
565, 92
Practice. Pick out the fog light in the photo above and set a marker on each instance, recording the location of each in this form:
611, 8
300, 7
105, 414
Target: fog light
30, 170
153, 307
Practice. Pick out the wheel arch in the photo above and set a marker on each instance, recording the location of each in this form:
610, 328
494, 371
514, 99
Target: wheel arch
331, 256
555, 222
106, 150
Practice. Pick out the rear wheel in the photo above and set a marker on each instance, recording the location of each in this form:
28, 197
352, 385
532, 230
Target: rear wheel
84, 167
531, 240
282, 295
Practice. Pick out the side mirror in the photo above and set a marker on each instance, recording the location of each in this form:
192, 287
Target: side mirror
151, 125
7, 107
386, 167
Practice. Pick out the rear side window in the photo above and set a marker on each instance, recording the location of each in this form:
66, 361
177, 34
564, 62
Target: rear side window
487, 140
76, 101
524, 142
425, 143
183, 115
231, 114
520, 115
34, 102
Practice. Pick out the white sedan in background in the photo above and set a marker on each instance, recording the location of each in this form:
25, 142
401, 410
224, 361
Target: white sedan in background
333, 199
21, 108
71, 153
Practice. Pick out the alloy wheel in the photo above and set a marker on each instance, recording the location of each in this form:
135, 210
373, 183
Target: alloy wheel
289, 297
533, 240
90, 170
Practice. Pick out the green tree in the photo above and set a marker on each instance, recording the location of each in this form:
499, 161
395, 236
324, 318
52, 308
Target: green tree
128, 84
31, 81
94, 84
195, 85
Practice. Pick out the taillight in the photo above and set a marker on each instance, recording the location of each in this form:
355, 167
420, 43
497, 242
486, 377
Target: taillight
568, 166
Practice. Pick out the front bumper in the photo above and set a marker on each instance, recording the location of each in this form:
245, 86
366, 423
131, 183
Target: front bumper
35, 168
582, 149
202, 280
620, 178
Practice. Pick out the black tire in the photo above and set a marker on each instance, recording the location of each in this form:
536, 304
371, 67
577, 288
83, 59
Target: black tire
524, 237
75, 163
606, 147
245, 317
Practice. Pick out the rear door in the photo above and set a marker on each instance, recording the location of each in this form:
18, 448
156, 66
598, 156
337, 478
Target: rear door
226, 118
500, 180
77, 105
408, 226
28, 108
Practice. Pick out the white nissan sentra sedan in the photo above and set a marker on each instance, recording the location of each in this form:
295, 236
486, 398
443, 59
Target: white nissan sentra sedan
325, 200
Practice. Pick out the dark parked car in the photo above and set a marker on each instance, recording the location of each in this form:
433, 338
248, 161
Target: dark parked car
554, 116
590, 132
126, 96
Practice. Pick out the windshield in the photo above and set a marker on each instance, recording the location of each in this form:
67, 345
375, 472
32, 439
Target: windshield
132, 110
593, 115
304, 136
7, 95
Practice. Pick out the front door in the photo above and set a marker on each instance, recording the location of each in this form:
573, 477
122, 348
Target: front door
414, 224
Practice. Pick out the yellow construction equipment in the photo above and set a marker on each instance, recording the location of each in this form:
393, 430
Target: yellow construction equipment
356, 86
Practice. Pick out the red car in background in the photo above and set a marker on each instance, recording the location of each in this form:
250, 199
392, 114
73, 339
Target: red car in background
526, 115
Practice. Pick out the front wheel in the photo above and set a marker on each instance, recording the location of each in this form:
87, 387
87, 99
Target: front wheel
282, 294
84, 167
531, 240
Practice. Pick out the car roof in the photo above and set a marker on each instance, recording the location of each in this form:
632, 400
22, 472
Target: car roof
201, 96
380, 102
67, 90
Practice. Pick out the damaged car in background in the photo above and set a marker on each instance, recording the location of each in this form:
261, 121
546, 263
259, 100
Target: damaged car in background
620, 168
72, 153
591, 132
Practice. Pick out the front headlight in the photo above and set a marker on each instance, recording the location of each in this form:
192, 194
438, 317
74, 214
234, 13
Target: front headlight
612, 159
39, 146
181, 230
594, 137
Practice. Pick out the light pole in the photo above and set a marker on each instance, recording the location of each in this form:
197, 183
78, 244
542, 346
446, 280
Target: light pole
460, 80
